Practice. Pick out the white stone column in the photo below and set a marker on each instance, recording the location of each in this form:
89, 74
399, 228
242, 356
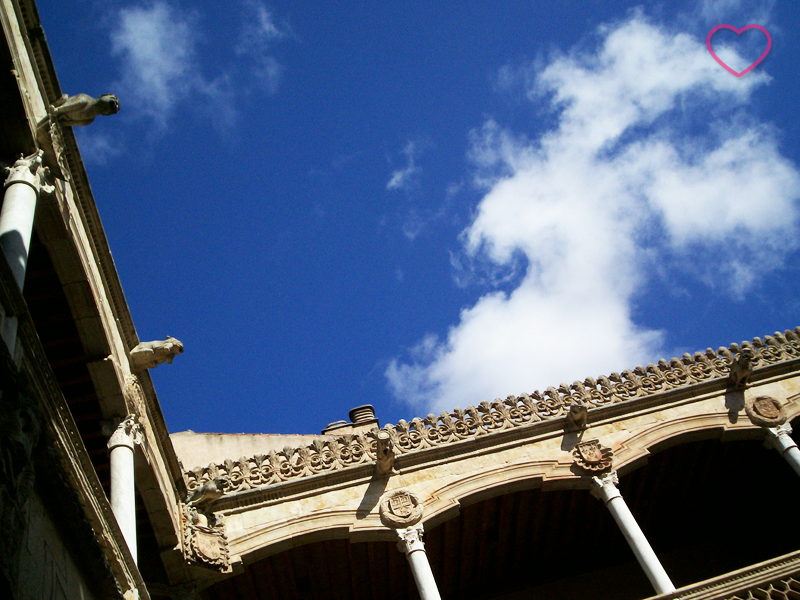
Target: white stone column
780, 439
414, 548
26, 179
123, 490
605, 488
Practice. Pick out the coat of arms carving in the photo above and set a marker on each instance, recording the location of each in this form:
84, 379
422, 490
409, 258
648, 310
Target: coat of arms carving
765, 411
204, 540
592, 456
400, 508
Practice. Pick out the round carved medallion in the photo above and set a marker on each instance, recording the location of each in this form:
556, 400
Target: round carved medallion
592, 456
400, 508
765, 411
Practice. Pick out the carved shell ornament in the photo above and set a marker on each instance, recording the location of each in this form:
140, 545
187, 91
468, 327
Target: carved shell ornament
765, 411
400, 508
592, 456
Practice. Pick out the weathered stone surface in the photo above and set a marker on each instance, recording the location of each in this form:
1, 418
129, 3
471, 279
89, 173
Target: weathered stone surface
148, 355
82, 109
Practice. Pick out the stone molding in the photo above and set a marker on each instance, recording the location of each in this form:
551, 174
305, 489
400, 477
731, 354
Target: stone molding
326, 456
400, 508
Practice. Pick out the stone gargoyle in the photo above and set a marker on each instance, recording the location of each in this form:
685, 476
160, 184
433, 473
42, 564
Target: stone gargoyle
151, 354
576, 417
384, 453
81, 109
742, 368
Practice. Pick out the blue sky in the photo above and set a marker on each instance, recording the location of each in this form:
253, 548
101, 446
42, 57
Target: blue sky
426, 205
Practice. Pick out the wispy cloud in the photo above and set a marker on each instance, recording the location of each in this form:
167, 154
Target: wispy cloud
588, 206
723, 11
157, 46
97, 148
259, 33
405, 177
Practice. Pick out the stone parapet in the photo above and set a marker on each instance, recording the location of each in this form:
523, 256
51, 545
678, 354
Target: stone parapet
676, 376
775, 579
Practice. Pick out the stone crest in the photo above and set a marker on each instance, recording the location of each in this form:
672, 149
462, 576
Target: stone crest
765, 411
592, 456
400, 508
204, 540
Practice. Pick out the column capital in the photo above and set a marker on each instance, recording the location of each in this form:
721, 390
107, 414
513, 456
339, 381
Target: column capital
126, 432
780, 438
410, 539
604, 487
28, 170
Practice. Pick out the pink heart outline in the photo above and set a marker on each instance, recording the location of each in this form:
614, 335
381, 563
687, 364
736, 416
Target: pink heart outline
739, 32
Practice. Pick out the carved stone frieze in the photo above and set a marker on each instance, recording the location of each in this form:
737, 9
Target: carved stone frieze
591, 456
765, 411
400, 508
204, 540
351, 450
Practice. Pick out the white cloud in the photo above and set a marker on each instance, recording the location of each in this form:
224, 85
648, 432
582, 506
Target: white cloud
726, 11
97, 148
590, 204
157, 44
405, 177
157, 48
259, 33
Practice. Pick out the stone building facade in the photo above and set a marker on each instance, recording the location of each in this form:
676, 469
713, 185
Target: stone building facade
671, 480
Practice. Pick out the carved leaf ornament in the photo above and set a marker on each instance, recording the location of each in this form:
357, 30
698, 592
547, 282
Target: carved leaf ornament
324, 455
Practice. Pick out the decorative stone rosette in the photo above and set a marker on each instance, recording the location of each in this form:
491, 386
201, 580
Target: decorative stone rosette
591, 456
765, 411
204, 542
400, 508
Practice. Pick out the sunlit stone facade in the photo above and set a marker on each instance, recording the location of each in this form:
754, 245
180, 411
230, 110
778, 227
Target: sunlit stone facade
678, 479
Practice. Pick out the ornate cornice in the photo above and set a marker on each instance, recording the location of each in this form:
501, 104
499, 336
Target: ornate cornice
488, 418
